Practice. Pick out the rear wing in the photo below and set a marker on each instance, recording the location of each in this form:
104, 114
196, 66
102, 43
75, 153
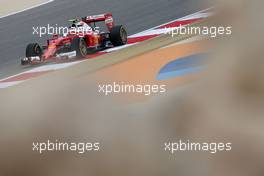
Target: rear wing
107, 18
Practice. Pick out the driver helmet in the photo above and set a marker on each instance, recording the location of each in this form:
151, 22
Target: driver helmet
82, 25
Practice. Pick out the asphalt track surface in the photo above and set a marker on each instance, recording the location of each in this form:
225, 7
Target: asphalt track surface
137, 15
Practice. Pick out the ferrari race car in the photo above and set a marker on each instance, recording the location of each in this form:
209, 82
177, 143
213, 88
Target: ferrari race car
83, 37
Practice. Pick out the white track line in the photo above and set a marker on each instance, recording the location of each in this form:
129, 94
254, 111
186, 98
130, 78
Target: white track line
32, 7
179, 19
9, 84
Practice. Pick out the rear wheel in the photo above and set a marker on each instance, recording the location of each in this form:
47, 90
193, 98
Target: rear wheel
118, 35
79, 45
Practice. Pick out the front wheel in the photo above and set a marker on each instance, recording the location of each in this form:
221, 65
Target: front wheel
33, 50
118, 35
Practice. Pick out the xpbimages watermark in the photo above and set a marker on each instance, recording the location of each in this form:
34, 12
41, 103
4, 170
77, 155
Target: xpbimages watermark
181, 146
57, 146
211, 31
123, 88
59, 30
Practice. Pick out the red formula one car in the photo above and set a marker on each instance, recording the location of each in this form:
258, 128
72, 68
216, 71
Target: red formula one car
83, 37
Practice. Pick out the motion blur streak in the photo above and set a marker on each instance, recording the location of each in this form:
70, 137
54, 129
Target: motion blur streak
226, 106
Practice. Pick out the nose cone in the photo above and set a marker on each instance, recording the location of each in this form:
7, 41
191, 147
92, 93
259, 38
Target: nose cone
51, 50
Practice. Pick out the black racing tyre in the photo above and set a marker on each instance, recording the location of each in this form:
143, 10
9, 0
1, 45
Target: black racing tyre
79, 45
33, 49
118, 35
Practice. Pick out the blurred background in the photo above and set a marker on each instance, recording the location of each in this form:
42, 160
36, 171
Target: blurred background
225, 105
